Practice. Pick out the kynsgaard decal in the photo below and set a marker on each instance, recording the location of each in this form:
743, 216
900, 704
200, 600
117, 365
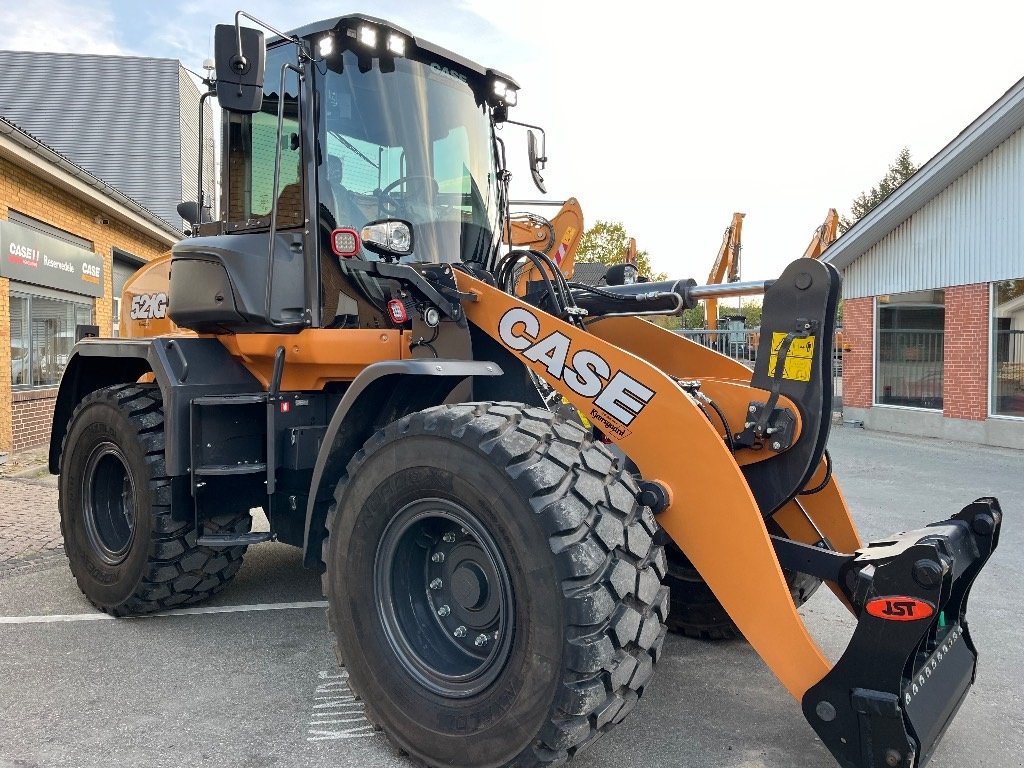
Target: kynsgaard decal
900, 608
618, 398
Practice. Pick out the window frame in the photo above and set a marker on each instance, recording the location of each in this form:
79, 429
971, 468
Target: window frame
876, 357
32, 292
992, 378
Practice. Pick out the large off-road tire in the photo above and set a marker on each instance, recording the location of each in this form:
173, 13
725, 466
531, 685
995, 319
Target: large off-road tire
126, 552
696, 612
494, 588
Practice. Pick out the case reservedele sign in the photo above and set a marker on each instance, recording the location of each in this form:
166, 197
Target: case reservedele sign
32, 257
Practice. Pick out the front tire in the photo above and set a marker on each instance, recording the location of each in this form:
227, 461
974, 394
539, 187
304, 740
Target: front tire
494, 588
126, 552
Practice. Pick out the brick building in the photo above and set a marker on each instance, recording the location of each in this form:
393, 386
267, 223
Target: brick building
67, 242
933, 287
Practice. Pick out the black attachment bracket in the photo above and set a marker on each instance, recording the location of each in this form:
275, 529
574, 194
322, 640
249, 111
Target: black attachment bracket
911, 660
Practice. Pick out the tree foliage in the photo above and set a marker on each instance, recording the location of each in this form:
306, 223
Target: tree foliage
750, 310
606, 242
900, 170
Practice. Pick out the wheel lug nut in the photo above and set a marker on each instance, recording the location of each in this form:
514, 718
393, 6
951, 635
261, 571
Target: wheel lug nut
448, 537
437, 557
436, 584
481, 640
444, 610
464, 531
460, 631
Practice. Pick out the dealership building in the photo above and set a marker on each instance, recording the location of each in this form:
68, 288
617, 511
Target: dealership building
933, 288
68, 241
95, 154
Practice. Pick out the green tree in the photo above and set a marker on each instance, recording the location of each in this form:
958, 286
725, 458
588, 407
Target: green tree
901, 170
606, 242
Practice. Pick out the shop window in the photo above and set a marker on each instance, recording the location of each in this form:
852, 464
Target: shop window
42, 336
1008, 348
909, 357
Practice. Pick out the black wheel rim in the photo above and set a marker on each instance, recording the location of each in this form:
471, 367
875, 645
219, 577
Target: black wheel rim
445, 597
109, 503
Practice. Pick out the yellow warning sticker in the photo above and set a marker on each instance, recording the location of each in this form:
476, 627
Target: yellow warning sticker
797, 366
570, 233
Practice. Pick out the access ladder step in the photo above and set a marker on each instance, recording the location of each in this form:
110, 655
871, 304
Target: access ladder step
233, 539
220, 470
243, 399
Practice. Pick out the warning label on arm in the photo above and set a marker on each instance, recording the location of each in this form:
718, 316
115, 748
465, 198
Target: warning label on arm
797, 365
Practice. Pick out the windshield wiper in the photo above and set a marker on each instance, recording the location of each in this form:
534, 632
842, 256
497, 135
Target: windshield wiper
348, 144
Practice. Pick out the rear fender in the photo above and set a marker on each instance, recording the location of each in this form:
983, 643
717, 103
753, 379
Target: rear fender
184, 367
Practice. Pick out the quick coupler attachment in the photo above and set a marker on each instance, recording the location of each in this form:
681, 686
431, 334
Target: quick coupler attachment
911, 660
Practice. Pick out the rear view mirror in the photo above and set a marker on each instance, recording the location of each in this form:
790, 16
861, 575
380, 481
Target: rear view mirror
537, 159
241, 57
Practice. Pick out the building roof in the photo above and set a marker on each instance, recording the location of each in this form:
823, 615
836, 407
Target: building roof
988, 131
22, 148
589, 273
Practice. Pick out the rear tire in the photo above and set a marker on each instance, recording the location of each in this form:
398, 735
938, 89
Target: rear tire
696, 612
493, 586
126, 552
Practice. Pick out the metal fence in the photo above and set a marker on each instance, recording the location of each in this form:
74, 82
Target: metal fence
909, 370
742, 345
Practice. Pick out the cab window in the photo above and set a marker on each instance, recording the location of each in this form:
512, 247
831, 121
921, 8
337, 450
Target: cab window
253, 147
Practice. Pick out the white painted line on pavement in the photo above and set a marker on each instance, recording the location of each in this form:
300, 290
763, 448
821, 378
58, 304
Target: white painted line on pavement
180, 612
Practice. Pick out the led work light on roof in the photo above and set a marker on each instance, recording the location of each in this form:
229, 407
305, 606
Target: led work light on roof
368, 36
326, 46
505, 93
396, 44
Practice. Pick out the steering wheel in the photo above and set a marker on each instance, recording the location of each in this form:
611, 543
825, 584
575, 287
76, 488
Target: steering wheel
388, 204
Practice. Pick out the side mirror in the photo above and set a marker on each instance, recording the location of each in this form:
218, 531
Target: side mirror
537, 160
240, 57
189, 211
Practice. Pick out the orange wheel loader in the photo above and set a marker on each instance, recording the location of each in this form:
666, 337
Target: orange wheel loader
485, 468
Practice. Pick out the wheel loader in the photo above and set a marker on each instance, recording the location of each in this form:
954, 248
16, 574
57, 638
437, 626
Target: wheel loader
500, 481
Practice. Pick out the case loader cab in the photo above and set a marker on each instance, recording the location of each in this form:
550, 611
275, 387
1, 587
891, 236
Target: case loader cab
379, 126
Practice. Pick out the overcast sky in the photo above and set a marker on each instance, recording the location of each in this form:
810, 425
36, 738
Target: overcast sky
665, 116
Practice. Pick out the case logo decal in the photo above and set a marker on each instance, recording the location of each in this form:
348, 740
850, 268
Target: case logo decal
619, 396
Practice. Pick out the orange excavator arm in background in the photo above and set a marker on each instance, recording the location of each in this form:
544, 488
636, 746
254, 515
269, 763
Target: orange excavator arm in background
727, 265
558, 237
824, 235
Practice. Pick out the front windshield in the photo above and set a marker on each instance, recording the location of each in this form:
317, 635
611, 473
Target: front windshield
410, 144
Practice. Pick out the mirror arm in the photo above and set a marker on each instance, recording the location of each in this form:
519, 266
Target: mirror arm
544, 137
283, 35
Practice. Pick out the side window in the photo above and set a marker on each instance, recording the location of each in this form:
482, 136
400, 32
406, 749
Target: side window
254, 144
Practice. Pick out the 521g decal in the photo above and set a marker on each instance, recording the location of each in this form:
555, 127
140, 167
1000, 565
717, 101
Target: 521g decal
149, 306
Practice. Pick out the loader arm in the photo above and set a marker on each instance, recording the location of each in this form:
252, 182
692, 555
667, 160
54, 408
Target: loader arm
711, 508
911, 659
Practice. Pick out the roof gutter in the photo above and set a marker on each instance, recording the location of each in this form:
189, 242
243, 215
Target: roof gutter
28, 152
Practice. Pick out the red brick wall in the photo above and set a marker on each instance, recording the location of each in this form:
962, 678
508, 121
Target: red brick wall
32, 414
965, 352
859, 343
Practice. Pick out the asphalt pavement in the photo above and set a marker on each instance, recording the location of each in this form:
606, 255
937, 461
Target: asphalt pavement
250, 679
